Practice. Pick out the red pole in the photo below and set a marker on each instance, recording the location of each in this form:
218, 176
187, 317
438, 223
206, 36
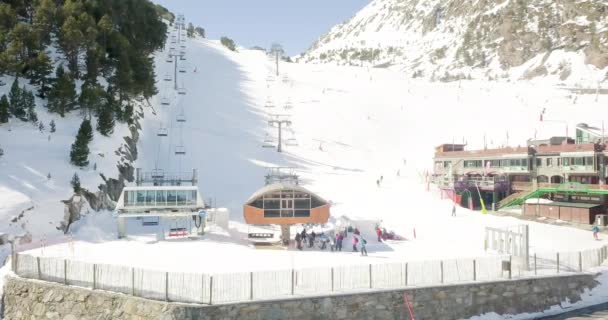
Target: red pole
414, 233
409, 306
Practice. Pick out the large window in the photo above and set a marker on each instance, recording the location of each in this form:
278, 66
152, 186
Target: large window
286, 203
162, 198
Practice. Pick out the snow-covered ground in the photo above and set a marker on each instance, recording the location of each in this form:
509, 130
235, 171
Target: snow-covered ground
353, 125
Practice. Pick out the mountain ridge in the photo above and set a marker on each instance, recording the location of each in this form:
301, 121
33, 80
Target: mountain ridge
564, 41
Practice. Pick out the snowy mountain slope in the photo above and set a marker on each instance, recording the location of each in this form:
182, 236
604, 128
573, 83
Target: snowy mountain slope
352, 125
30, 156
565, 41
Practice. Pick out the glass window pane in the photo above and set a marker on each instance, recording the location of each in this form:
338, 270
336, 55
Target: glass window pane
161, 197
181, 197
171, 197
302, 213
272, 204
150, 200
272, 213
302, 204
141, 197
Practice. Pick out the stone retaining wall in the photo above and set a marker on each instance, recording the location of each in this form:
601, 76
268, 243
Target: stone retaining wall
33, 299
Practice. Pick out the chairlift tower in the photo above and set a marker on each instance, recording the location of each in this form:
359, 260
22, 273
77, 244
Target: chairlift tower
280, 120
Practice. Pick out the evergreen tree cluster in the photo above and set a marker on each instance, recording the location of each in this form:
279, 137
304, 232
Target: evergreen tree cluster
20, 104
97, 38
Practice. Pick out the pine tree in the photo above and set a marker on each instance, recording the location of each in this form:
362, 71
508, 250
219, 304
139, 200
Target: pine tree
62, 97
71, 40
14, 96
75, 182
79, 153
4, 109
41, 71
44, 19
91, 97
52, 125
87, 130
29, 104
105, 121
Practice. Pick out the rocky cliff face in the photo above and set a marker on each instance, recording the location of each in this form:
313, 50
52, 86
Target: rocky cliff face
563, 40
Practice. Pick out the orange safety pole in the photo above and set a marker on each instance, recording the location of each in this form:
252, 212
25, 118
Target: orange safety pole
409, 306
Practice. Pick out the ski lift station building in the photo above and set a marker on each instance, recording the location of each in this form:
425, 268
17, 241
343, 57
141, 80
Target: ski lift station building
284, 203
157, 201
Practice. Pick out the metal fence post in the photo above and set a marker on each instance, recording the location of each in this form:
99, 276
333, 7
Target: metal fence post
557, 256
406, 282
535, 268
580, 261
370, 276
94, 276
510, 267
133, 281
202, 288
65, 272
332, 279
293, 279
474, 270
210, 289
39, 271
250, 285
166, 286
441, 267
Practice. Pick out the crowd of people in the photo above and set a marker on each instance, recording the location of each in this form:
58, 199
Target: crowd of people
334, 240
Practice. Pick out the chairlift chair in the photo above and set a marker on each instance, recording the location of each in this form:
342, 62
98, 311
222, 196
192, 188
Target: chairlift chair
180, 117
288, 105
181, 91
291, 142
269, 104
182, 58
162, 132
268, 142
167, 77
158, 174
169, 59
165, 101
180, 150
183, 46
182, 69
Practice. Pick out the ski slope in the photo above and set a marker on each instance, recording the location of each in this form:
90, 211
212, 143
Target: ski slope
353, 125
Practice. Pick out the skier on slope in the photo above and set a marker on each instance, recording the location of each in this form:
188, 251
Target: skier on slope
355, 242
379, 234
453, 210
298, 241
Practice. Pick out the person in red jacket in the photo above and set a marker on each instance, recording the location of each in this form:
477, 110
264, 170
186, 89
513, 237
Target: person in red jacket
355, 242
379, 233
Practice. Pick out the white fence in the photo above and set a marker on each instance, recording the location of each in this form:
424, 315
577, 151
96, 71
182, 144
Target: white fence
261, 285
